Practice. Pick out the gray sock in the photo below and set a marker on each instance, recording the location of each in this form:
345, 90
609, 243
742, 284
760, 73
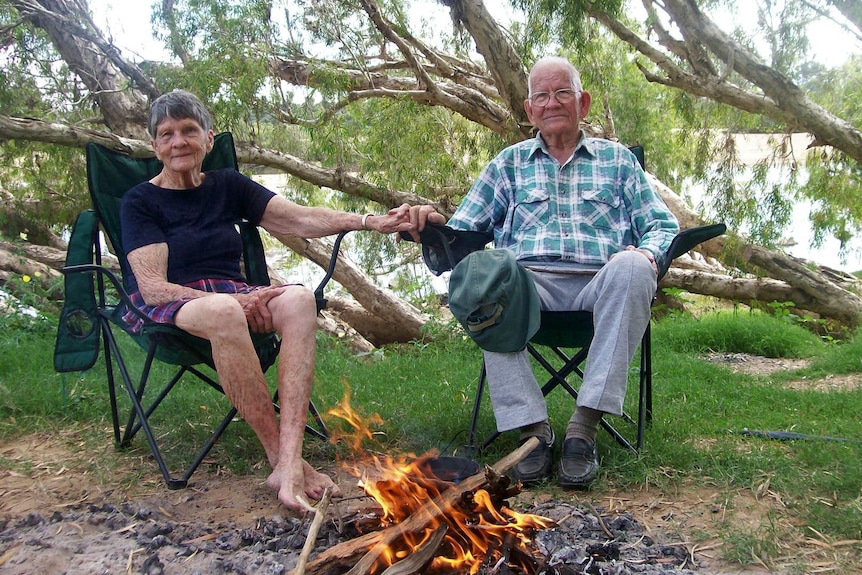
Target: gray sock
541, 429
584, 424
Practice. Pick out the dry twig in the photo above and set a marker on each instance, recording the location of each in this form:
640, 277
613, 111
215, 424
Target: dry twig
319, 514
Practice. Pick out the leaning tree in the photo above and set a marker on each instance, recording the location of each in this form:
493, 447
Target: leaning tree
361, 104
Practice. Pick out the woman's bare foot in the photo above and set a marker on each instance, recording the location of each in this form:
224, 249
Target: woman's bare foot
288, 481
316, 483
296, 484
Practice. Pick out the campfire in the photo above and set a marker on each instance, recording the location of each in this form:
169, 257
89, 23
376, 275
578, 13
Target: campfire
475, 528
433, 515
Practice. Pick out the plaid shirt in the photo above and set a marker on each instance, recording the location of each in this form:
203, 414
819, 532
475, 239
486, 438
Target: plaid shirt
582, 212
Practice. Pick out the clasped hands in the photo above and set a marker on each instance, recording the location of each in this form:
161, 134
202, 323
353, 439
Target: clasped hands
254, 305
404, 218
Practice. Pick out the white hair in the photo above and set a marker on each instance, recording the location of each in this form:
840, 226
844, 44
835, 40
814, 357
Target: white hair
557, 62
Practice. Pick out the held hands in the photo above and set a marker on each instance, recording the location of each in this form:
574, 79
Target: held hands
419, 216
404, 218
254, 305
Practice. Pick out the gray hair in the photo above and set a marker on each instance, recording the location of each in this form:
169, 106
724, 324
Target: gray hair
178, 105
558, 62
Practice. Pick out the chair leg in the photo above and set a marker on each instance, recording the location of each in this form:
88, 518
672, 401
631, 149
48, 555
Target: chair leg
474, 418
558, 379
645, 388
112, 388
139, 412
321, 432
181, 483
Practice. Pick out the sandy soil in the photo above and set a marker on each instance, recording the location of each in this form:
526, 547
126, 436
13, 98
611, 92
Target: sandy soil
59, 514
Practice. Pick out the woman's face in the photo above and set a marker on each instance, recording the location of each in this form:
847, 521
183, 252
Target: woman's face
182, 144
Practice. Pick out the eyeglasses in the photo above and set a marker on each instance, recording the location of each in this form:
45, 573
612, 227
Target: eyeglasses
563, 96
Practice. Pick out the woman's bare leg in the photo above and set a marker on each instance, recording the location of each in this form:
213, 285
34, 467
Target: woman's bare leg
294, 314
220, 319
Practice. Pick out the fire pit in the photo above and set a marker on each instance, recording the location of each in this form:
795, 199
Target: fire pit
432, 515
426, 525
150, 537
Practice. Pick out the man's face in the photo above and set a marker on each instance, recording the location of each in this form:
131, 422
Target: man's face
555, 118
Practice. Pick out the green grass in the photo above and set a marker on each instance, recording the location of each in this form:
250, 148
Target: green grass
423, 393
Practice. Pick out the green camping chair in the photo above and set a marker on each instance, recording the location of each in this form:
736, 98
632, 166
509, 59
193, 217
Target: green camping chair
95, 302
565, 334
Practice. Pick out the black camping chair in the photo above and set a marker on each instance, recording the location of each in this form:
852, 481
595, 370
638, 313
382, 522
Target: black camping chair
559, 331
95, 302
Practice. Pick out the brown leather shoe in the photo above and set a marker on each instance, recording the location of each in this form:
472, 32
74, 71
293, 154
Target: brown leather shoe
536, 466
579, 464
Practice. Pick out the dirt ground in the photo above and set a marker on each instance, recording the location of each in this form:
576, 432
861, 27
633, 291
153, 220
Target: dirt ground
46, 487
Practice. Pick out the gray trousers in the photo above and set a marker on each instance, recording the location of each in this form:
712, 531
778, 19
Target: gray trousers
619, 296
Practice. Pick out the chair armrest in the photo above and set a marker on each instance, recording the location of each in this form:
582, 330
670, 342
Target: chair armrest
333, 259
685, 241
115, 282
443, 247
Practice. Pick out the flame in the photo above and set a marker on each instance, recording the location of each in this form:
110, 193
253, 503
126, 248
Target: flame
361, 425
480, 531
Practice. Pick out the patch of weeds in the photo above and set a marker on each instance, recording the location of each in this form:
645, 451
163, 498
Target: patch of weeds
749, 547
826, 329
22, 466
31, 295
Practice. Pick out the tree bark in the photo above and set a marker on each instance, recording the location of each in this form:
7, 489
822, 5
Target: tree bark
788, 279
381, 305
90, 57
777, 97
503, 62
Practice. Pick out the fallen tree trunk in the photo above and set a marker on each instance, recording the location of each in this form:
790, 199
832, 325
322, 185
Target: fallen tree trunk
382, 304
773, 276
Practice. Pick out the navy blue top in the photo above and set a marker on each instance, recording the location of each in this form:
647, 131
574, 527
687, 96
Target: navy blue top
198, 224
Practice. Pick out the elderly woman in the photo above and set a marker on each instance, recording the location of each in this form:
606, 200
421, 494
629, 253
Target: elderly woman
181, 244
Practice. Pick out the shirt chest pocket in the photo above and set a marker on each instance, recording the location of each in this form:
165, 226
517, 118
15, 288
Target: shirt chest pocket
602, 208
531, 208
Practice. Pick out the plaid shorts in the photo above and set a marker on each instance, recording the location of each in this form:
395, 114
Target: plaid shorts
166, 313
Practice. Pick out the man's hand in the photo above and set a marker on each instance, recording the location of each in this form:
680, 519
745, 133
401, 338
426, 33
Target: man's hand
646, 253
419, 215
254, 305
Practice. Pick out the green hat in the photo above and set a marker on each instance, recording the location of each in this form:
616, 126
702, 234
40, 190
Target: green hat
495, 300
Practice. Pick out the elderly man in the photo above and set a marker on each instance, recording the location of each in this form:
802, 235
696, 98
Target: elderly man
585, 226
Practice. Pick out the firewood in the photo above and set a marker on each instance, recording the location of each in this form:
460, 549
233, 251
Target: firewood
373, 544
421, 557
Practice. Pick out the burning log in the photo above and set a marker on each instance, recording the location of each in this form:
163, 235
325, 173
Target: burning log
419, 558
375, 544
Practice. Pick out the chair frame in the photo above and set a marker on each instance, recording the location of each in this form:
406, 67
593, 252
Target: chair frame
90, 274
558, 377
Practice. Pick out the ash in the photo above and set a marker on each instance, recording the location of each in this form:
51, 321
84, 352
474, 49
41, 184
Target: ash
586, 541
132, 538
